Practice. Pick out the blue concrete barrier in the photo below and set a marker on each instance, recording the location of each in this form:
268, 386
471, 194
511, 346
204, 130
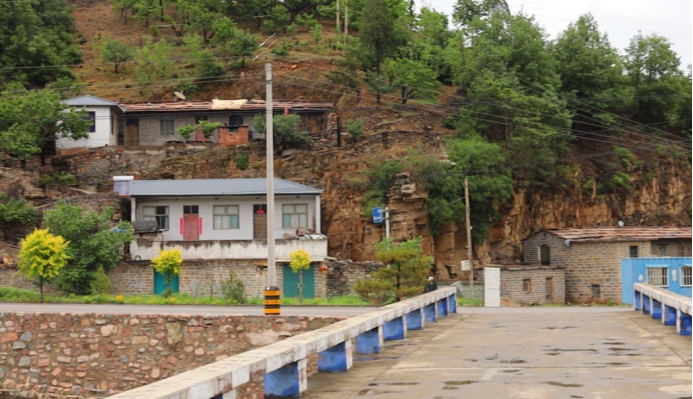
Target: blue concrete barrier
284, 363
670, 307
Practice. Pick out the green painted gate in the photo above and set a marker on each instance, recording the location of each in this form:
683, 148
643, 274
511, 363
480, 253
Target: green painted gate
290, 289
160, 283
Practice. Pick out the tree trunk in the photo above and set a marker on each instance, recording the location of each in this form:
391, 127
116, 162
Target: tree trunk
41, 288
300, 287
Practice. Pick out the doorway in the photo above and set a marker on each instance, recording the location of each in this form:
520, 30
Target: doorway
191, 223
290, 289
259, 222
198, 133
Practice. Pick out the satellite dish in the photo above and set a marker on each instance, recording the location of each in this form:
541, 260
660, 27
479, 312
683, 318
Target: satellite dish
620, 223
180, 95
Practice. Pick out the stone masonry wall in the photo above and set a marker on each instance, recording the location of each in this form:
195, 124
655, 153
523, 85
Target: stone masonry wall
674, 248
590, 267
513, 284
94, 169
342, 275
96, 355
204, 278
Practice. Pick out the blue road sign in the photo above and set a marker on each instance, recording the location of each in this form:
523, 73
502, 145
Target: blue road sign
377, 215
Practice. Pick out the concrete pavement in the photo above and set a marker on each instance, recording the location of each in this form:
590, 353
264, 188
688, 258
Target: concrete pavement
180, 309
576, 352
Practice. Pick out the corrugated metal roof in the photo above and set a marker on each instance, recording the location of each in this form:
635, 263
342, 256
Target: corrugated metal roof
219, 187
89, 100
623, 233
252, 105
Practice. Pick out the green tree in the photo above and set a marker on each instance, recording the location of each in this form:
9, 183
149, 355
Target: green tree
36, 33
490, 182
411, 78
285, 132
155, 61
658, 83
278, 20
116, 52
167, 263
404, 274
94, 243
42, 256
244, 44
300, 261
32, 120
15, 213
591, 71
378, 35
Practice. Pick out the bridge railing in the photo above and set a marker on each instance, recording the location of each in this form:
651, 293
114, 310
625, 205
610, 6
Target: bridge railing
283, 363
670, 307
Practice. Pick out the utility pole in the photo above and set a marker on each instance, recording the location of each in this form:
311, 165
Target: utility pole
272, 292
387, 222
469, 237
346, 22
337, 26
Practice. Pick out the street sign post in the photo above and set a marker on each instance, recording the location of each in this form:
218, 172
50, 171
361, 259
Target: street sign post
377, 215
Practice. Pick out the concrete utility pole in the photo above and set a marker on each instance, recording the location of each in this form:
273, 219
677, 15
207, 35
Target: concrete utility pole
269, 137
469, 237
346, 22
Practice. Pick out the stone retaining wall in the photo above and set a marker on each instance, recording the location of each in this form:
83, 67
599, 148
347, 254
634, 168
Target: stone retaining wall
97, 355
342, 275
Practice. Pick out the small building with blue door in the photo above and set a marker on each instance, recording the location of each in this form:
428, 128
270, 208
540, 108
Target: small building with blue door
673, 274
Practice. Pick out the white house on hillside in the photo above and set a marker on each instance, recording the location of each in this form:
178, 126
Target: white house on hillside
103, 131
224, 218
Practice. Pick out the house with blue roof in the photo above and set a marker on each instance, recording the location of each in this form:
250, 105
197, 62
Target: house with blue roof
221, 225
103, 131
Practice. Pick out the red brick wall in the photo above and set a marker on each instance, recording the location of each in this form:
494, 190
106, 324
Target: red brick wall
229, 139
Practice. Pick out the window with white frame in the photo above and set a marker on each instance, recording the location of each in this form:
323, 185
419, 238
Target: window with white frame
225, 217
167, 126
686, 280
295, 216
657, 275
158, 213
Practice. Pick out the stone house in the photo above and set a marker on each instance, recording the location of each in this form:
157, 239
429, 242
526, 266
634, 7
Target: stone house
592, 257
102, 133
153, 124
221, 225
532, 284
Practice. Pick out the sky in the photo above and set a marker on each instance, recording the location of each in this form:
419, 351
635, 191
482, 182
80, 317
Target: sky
620, 19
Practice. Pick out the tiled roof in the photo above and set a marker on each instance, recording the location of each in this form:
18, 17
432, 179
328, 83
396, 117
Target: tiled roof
181, 106
217, 187
623, 233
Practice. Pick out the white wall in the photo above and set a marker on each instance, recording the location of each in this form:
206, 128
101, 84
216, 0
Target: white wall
317, 249
245, 215
104, 133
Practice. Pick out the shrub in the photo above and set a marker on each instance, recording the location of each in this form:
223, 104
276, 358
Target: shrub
281, 51
42, 256
60, 179
355, 128
101, 283
233, 289
242, 161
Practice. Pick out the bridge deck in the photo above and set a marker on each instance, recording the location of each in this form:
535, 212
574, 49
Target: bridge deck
523, 353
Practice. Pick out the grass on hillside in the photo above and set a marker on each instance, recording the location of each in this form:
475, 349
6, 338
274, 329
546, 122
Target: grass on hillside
9, 294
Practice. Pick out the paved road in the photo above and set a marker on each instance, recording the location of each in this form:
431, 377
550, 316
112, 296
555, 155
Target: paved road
525, 353
181, 309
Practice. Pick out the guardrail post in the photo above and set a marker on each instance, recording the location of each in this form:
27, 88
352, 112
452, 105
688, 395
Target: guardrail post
370, 341
430, 313
452, 304
394, 329
646, 304
669, 316
684, 325
637, 300
283, 383
415, 320
656, 309
442, 307
336, 359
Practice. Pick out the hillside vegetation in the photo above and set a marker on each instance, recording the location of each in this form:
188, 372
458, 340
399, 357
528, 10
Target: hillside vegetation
518, 112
